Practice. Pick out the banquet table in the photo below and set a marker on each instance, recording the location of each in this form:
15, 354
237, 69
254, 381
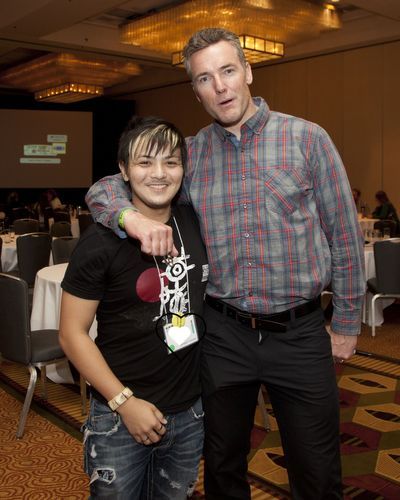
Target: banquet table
45, 314
9, 260
366, 223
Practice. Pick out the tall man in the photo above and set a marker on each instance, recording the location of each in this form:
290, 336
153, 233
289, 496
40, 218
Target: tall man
144, 435
279, 223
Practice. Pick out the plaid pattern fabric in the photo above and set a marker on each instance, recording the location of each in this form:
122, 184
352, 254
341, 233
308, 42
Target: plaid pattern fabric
276, 214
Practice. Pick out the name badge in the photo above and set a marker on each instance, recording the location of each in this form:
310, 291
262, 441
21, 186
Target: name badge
180, 333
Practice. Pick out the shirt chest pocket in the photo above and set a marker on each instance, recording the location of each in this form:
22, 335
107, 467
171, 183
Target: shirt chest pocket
286, 189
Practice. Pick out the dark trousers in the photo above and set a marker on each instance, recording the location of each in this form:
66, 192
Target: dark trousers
297, 370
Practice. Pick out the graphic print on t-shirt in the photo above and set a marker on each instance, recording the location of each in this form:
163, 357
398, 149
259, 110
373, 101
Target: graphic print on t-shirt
174, 282
148, 287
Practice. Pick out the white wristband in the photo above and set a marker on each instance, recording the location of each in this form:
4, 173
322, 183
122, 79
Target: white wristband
120, 398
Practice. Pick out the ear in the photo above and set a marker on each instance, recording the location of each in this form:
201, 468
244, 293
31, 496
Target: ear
123, 171
249, 74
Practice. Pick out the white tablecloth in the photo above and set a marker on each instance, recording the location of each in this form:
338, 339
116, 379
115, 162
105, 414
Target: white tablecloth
367, 223
46, 313
9, 260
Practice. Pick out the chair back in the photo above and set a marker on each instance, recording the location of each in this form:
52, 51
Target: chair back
60, 228
1, 249
33, 253
23, 226
59, 215
387, 266
62, 248
85, 220
15, 341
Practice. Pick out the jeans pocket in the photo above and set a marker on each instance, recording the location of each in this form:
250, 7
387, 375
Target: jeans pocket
101, 419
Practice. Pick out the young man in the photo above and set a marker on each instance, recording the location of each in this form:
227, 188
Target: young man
144, 435
279, 223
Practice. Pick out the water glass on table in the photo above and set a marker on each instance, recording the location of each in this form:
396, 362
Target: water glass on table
386, 233
7, 237
12, 233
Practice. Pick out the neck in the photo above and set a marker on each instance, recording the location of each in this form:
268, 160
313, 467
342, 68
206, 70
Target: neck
158, 214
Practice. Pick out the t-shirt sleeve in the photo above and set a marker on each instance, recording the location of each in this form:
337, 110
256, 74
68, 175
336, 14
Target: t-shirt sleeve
85, 276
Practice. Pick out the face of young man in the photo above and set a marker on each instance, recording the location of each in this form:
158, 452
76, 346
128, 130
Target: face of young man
221, 84
154, 179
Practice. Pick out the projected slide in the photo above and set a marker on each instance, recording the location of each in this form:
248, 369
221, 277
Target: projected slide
46, 148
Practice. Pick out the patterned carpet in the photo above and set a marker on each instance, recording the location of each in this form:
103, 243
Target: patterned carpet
370, 425
46, 464
370, 433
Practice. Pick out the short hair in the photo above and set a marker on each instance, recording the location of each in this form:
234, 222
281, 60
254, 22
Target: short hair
209, 36
381, 196
152, 133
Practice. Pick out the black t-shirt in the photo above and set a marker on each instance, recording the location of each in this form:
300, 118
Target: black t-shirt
128, 283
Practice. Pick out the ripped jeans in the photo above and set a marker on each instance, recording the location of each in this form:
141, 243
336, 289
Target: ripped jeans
119, 468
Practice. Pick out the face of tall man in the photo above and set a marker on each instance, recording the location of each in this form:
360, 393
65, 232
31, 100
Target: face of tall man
221, 84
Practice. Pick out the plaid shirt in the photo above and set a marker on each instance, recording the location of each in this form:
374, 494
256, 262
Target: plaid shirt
276, 213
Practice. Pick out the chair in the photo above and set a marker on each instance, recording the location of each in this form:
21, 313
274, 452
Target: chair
1, 249
59, 215
18, 343
85, 220
62, 248
33, 253
60, 228
23, 226
383, 224
387, 270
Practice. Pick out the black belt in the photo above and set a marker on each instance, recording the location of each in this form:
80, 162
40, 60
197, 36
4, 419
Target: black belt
274, 322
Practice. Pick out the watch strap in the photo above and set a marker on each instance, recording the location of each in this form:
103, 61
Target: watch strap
120, 398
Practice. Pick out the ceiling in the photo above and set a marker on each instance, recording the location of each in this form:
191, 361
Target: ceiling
29, 29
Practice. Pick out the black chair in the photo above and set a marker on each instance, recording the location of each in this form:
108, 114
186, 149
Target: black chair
387, 270
1, 249
387, 224
62, 248
33, 253
24, 226
35, 349
85, 220
59, 215
60, 228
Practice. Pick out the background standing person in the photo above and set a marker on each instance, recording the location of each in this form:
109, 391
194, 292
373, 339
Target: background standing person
144, 435
279, 223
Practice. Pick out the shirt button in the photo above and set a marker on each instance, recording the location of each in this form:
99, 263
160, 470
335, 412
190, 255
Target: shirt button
246, 235
245, 205
243, 177
249, 264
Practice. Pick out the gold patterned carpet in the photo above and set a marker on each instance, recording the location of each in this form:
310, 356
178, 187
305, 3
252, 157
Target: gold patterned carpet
47, 464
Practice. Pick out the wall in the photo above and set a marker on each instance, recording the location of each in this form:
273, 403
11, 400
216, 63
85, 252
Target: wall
109, 120
353, 94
